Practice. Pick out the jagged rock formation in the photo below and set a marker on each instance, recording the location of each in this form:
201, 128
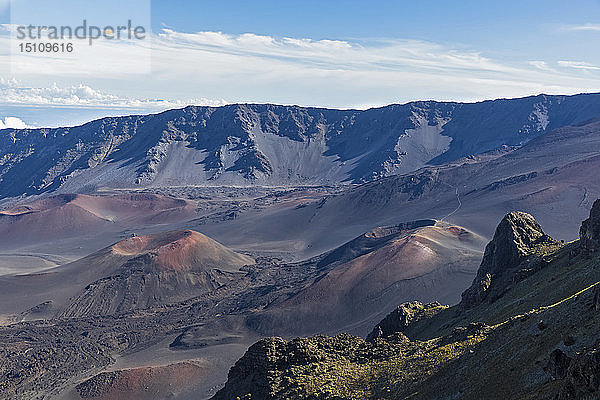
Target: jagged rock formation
271, 144
590, 230
581, 379
401, 318
558, 364
270, 365
515, 252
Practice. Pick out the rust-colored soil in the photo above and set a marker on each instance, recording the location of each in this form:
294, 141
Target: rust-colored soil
156, 382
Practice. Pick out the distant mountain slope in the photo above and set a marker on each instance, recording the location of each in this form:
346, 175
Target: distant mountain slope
270, 144
71, 215
548, 175
553, 176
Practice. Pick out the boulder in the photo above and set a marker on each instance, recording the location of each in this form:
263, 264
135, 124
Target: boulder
402, 317
582, 378
589, 233
515, 253
266, 370
558, 364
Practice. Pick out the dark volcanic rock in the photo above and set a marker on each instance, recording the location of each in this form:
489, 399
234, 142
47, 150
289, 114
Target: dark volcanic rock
558, 364
274, 368
582, 378
590, 229
514, 253
253, 371
399, 319
98, 385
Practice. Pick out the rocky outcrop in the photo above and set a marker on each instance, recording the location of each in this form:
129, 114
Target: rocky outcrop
274, 368
515, 252
252, 164
589, 233
558, 364
402, 317
259, 373
582, 378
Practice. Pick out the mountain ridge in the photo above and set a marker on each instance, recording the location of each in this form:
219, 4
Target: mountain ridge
247, 144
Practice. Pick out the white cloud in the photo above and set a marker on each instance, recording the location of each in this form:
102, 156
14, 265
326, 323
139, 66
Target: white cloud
543, 65
205, 67
352, 73
327, 54
585, 27
13, 123
579, 65
13, 93
8, 82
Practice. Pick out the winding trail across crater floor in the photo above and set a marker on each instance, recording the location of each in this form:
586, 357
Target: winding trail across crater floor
457, 207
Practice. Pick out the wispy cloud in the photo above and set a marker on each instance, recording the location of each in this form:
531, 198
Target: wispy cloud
205, 67
543, 65
579, 65
363, 72
329, 54
584, 27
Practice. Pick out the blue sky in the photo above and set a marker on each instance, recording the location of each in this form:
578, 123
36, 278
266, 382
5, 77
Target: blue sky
346, 54
498, 27
426, 19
